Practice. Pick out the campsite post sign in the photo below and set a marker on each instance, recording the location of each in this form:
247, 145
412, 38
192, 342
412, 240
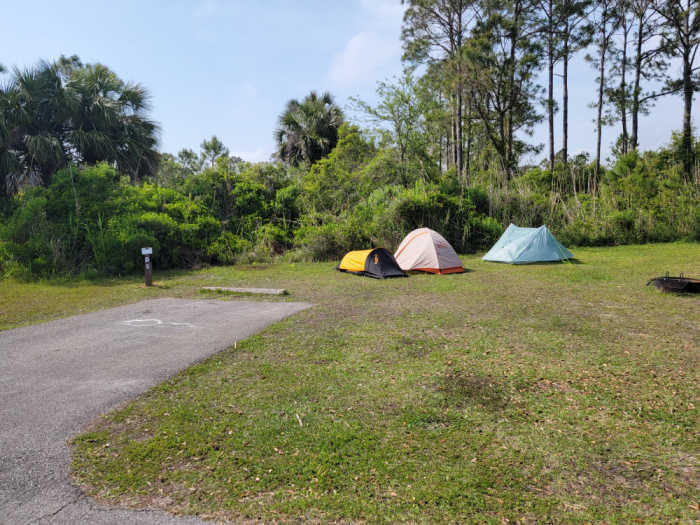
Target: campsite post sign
147, 252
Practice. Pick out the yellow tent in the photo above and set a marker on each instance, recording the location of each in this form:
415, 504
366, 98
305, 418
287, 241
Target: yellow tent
377, 263
354, 261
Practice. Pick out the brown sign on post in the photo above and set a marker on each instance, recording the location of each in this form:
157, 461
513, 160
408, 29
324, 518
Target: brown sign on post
147, 252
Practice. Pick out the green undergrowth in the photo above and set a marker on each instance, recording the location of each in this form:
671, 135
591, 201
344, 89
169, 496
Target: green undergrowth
562, 393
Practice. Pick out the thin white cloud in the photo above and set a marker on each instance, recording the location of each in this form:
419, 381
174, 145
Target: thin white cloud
256, 155
375, 52
364, 60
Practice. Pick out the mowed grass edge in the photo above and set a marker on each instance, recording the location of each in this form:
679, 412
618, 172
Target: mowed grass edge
537, 393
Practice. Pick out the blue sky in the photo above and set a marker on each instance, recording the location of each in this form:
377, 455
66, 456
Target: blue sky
227, 68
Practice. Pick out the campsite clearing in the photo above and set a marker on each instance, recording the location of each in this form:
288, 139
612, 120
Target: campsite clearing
555, 392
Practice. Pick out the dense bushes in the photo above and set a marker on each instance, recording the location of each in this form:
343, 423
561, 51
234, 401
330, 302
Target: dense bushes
93, 220
361, 196
90, 220
641, 198
385, 217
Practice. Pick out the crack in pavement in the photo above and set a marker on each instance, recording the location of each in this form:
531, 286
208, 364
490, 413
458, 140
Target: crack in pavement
52, 514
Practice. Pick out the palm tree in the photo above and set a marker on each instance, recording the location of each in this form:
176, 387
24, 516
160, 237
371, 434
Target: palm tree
109, 122
63, 112
33, 116
6, 161
308, 130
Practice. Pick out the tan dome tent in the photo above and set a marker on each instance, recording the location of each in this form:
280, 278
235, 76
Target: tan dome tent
426, 250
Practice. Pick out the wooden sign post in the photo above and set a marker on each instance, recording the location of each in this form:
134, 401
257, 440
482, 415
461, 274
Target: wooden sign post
147, 252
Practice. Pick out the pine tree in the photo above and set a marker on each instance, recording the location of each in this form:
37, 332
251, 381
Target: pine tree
680, 31
503, 60
648, 62
436, 30
575, 33
605, 21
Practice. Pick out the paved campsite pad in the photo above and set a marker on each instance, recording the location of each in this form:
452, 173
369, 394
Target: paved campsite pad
58, 376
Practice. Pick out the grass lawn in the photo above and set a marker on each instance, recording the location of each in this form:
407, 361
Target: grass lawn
541, 393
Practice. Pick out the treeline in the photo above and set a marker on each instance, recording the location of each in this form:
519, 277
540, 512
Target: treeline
211, 208
477, 99
214, 208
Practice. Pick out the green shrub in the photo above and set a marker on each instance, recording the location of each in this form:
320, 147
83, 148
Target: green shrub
482, 232
91, 220
584, 233
226, 247
271, 240
332, 240
623, 223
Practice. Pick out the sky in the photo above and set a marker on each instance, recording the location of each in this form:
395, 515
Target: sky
228, 67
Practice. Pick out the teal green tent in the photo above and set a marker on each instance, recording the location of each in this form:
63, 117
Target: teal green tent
527, 245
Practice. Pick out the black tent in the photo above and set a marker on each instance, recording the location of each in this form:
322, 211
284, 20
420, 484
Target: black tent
378, 263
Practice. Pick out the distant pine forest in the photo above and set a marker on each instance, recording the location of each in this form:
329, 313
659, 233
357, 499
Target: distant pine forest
83, 185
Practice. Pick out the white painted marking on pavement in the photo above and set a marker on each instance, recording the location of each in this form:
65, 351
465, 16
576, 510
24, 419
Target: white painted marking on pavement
142, 322
154, 322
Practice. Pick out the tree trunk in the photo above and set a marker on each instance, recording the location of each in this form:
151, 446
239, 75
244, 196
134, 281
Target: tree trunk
511, 102
550, 107
550, 92
454, 137
451, 138
565, 101
599, 120
623, 88
687, 112
458, 137
502, 135
469, 141
460, 124
634, 141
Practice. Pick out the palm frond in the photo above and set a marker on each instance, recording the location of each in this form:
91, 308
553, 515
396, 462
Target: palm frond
308, 130
53, 113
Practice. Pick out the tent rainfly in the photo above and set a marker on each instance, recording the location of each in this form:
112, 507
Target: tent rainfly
527, 245
426, 250
377, 263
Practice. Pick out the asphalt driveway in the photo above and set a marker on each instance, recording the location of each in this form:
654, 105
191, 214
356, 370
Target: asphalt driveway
56, 377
